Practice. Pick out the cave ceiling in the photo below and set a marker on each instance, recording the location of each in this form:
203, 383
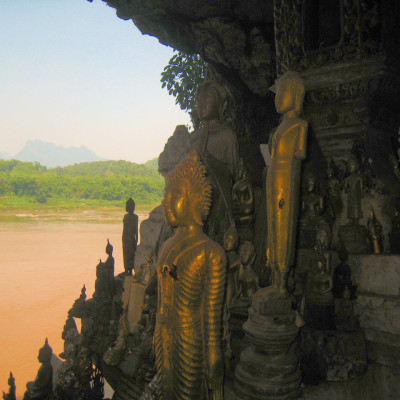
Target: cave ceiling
235, 36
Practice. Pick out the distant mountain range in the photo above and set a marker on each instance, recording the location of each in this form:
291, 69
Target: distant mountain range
51, 155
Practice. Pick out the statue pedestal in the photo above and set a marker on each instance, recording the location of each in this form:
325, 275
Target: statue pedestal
268, 368
132, 298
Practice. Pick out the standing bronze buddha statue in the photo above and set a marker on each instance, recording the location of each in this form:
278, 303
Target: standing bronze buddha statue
191, 272
288, 148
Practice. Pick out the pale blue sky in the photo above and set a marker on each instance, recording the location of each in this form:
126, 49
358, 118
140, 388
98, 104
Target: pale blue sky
73, 73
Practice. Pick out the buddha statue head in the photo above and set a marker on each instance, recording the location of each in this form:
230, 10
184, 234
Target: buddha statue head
211, 101
310, 183
109, 248
289, 89
130, 205
187, 198
45, 353
231, 238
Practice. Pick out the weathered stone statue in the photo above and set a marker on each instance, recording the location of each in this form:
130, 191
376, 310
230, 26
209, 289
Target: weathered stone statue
248, 280
312, 207
288, 148
11, 391
243, 199
218, 149
130, 236
231, 240
42, 387
375, 234
191, 272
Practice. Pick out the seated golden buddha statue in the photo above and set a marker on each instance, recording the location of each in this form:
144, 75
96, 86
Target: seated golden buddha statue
191, 271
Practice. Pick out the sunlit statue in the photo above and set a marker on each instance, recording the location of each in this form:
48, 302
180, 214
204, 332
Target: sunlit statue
375, 233
242, 197
145, 269
312, 207
130, 236
288, 148
218, 149
191, 272
231, 240
11, 391
42, 387
248, 280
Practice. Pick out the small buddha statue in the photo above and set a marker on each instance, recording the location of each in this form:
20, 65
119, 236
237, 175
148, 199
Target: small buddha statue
375, 234
248, 280
105, 285
130, 236
242, 197
218, 149
288, 147
353, 236
144, 268
42, 387
354, 186
333, 189
11, 391
191, 270
319, 305
312, 207
231, 240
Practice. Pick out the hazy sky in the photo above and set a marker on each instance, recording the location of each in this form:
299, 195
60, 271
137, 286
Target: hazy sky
73, 73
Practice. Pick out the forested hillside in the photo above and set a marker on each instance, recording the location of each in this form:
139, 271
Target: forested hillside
100, 180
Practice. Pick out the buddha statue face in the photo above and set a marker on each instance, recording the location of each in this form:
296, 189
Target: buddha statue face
289, 93
231, 239
310, 184
176, 205
187, 198
247, 253
207, 104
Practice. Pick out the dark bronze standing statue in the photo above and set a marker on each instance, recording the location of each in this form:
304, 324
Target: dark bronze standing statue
231, 240
42, 387
191, 272
11, 391
218, 149
288, 148
130, 236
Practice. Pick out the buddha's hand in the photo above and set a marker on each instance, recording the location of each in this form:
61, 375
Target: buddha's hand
215, 372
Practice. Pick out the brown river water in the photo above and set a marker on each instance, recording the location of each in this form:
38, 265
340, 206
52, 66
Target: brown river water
45, 258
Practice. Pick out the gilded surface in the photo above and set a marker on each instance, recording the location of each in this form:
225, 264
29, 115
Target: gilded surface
288, 148
191, 272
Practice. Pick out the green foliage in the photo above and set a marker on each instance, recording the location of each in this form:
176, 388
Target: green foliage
100, 180
181, 77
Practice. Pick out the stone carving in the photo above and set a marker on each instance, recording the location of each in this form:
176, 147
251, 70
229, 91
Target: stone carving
42, 387
11, 391
288, 148
218, 149
174, 151
191, 272
231, 240
243, 202
375, 234
130, 236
